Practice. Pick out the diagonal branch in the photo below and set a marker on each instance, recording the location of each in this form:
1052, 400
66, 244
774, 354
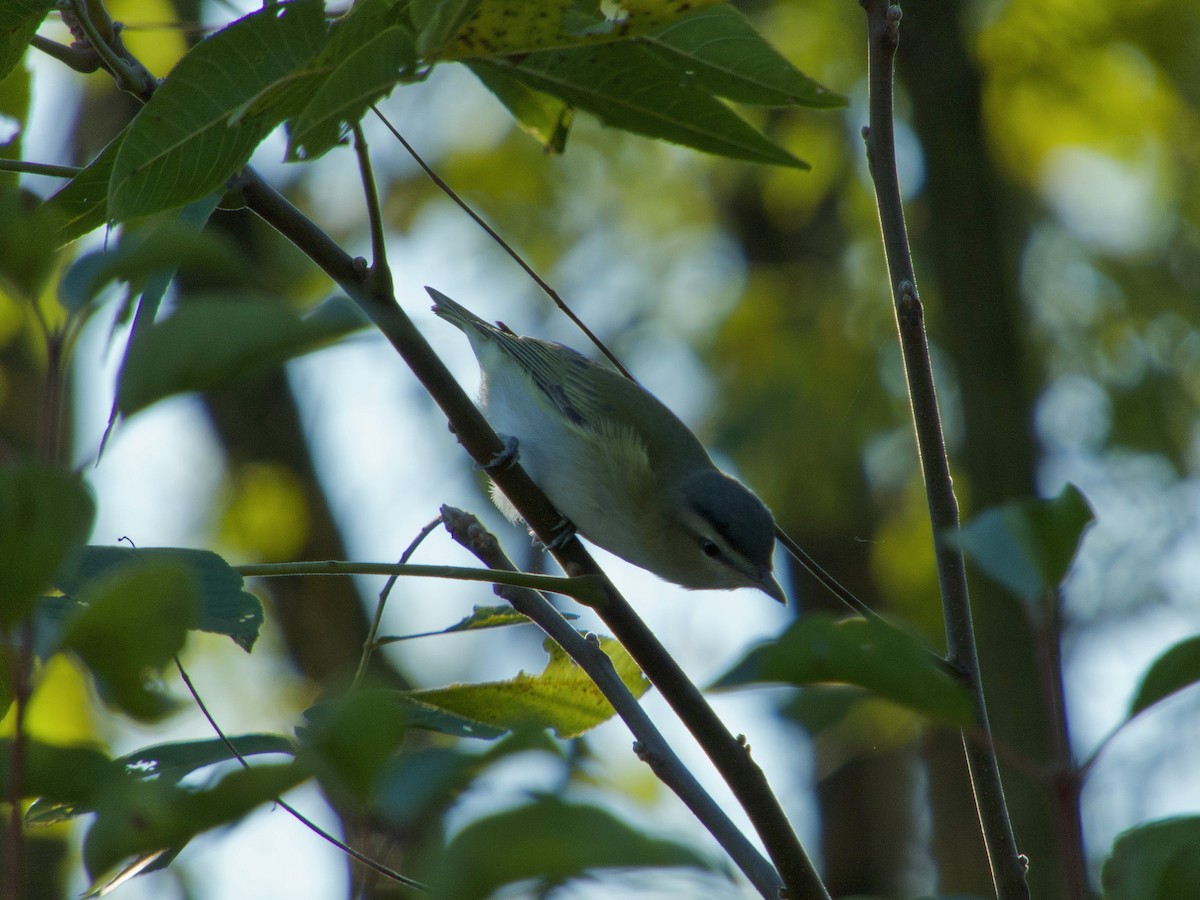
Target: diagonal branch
1008, 866
651, 747
729, 755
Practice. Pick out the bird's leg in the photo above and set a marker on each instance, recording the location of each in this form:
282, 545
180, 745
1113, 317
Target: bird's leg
506, 458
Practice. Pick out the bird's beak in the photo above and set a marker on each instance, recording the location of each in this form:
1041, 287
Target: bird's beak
767, 583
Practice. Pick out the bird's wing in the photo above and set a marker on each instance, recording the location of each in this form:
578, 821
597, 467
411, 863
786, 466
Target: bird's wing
566, 378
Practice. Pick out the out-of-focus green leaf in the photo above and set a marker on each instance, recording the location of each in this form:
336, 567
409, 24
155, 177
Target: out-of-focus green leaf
168, 763
718, 50
45, 514
15, 93
1154, 861
139, 257
224, 606
552, 841
134, 621
431, 718
19, 20
68, 775
135, 817
869, 653
1027, 546
183, 145
821, 706
208, 343
347, 741
561, 697
545, 118
628, 86
364, 77
419, 785
25, 238
1176, 669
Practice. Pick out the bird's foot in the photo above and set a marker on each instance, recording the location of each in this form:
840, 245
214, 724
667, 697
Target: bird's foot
506, 458
564, 532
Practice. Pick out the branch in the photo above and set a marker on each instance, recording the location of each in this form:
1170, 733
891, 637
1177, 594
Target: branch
728, 755
651, 747
1007, 865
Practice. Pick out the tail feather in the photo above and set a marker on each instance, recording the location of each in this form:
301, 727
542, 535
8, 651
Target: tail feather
455, 313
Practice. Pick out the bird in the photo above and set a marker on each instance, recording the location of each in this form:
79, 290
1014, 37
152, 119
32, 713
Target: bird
616, 462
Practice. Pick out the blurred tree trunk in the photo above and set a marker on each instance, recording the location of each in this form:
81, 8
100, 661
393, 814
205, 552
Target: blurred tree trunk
967, 245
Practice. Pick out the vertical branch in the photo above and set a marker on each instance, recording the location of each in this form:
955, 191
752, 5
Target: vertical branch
1007, 865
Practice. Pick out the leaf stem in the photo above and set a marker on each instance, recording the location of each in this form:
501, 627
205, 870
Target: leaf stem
1007, 865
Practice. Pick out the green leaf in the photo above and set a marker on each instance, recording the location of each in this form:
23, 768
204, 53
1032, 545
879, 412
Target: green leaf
629, 87
224, 606
168, 763
482, 617
718, 50
347, 741
431, 718
45, 514
1027, 545
438, 21
364, 77
183, 145
869, 653
562, 697
419, 786
1176, 669
134, 621
208, 343
512, 27
25, 264
1154, 861
141, 257
552, 841
544, 117
19, 21
135, 817
68, 775
81, 205
15, 94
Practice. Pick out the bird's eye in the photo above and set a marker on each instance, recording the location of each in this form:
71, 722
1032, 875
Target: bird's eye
710, 549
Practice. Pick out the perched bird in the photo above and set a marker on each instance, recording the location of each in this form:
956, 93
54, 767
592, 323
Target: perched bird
626, 472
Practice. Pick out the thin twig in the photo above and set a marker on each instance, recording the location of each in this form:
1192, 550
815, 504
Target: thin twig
651, 747
504, 245
367, 861
24, 167
379, 279
1007, 865
373, 632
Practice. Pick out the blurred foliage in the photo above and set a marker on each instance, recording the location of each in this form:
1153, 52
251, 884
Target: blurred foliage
756, 296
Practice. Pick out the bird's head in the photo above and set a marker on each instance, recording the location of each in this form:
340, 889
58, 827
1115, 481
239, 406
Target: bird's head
720, 535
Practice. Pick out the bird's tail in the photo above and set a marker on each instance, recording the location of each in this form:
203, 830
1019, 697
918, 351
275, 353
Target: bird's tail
455, 313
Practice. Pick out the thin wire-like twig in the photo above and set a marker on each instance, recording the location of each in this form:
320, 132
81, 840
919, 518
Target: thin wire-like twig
379, 277
367, 861
373, 632
505, 246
